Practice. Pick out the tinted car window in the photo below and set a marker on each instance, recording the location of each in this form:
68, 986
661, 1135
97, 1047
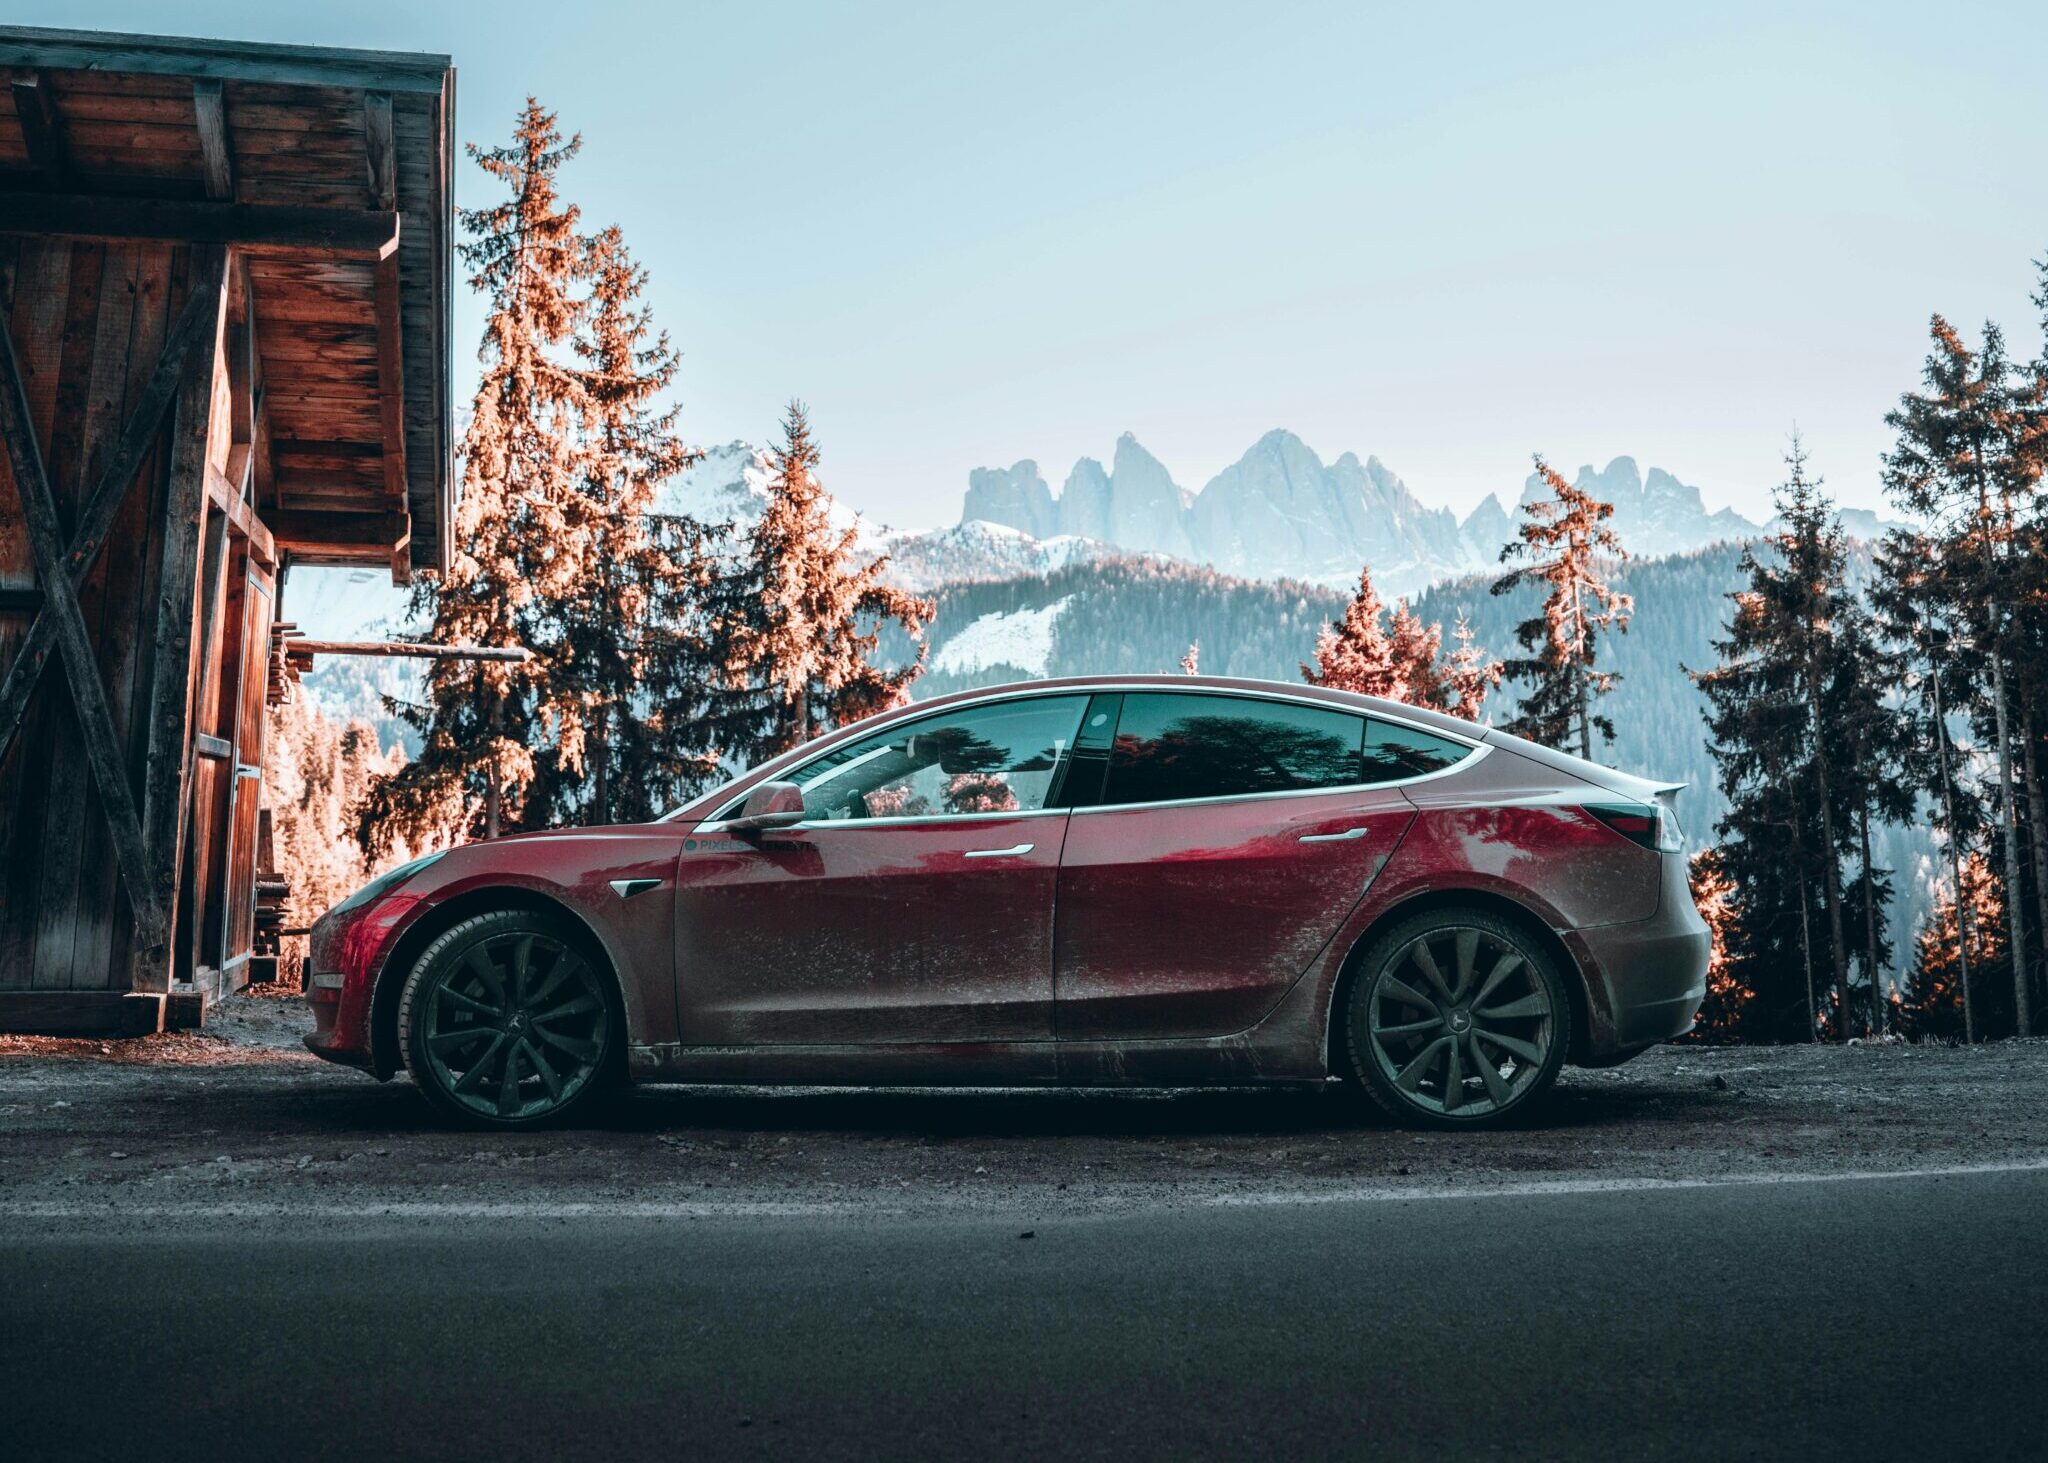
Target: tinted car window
1170, 747
998, 758
1393, 751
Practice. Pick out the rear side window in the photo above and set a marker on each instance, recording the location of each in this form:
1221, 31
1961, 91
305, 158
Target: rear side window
1393, 751
1169, 747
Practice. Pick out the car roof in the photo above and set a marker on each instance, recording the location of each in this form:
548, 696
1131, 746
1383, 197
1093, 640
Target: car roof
1294, 690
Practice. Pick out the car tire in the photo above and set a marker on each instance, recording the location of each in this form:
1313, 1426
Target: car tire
1456, 1018
510, 1020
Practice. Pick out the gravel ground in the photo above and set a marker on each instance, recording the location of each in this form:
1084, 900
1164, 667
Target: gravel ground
239, 1116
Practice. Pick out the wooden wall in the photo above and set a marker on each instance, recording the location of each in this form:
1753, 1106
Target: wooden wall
88, 322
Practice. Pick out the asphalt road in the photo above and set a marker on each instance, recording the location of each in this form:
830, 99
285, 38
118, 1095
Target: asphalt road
1891, 1316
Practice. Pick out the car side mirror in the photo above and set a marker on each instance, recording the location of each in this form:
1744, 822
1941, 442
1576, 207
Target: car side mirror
771, 805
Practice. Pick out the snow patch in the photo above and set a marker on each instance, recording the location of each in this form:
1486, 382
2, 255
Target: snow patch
1022, 638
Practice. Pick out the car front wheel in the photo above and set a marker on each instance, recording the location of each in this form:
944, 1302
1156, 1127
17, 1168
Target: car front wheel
1456, 1019
506, 1021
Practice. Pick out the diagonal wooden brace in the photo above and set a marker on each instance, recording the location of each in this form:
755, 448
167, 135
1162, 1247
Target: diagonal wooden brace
74, 644
137, 436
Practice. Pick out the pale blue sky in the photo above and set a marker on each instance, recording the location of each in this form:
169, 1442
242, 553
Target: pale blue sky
1446, 235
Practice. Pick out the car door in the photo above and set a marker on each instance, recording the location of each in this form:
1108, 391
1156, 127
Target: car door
1230, 837
914, 903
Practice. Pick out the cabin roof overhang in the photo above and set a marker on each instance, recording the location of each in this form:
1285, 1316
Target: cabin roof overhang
328, 173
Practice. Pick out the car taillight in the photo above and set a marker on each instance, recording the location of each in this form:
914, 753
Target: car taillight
1637, 822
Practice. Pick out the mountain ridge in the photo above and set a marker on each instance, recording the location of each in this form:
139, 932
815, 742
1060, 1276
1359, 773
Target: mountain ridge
1281, 511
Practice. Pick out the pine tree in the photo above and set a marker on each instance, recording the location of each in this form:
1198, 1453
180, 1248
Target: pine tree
1968, 460
1910, 598
800, 621
314, 775
1561, 540
480, 720
1353, 653
1874, 739
627, 648
1780, 708
1471, 676
1419, 679
1961, 940
1402, 660
1713, 891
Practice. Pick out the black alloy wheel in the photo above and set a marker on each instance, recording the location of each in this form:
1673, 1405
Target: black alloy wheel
506, 1021
1456, 1019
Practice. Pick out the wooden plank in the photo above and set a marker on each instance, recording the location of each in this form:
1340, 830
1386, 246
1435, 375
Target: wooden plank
240, 517
297, 531
338, 233
110, 53
80, 1013
99, 514
299, 447
35, 319
405, 650
219, 158
167, 710
88, 693
42, 129
217, 749
68, 770
391, 400
362, 492
105, 594
380, 148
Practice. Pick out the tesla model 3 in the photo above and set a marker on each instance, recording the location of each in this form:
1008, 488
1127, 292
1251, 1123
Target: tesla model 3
1135, 880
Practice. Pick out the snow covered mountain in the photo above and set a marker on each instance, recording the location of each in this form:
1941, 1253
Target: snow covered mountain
1280, 510
729, 486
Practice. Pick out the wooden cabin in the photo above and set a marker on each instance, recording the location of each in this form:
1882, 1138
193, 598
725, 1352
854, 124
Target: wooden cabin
224, 287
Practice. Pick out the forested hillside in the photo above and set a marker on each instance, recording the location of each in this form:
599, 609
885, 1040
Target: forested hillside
1117, 616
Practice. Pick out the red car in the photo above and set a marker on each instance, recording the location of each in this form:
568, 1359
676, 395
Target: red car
1158, 881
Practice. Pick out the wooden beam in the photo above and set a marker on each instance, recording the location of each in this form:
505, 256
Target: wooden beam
166, 713
381, 147
233, 505
405, 649
81, 1013
74, 645
370, 536
214, 154
137, 437
391, 409
42, 128
259, 61
256, 228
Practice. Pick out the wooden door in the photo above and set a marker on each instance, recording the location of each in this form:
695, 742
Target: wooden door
245, 796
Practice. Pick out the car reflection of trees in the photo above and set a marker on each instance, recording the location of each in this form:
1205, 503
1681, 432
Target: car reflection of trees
1227, 752
977, 773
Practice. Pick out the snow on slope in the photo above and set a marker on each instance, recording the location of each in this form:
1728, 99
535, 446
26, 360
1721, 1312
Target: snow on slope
1022, 639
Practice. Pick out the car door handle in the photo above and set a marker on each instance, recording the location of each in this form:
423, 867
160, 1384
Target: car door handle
1345, 837
1010, 852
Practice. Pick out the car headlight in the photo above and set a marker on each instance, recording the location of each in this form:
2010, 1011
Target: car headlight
388, 880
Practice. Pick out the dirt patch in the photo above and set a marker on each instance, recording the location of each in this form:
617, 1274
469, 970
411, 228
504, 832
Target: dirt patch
242, 1114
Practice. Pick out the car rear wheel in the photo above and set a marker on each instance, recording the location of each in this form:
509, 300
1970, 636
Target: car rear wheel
507, 1021
1457, 1018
